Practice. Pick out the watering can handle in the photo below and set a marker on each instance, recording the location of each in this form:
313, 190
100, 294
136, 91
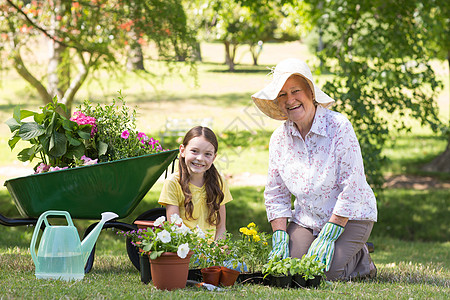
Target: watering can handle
43, 218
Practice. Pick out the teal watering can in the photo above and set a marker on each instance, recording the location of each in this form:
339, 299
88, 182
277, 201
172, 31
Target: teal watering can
61, 254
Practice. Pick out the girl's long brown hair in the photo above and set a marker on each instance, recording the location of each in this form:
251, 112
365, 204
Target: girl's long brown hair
213, 181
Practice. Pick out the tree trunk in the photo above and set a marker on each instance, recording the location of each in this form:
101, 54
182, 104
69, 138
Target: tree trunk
230, 51
442, 162
135, 59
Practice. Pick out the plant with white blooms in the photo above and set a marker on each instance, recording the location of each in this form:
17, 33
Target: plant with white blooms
166, 236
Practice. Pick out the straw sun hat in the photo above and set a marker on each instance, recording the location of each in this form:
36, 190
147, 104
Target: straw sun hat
264, 99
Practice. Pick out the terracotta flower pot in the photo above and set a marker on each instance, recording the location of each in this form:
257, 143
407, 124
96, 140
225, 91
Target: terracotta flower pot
142, 224
169, 271
211, 275
228, 276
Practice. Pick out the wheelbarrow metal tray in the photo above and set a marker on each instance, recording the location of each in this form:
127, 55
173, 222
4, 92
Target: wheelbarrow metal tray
85, 192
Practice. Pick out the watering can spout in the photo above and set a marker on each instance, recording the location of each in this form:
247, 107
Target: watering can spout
89, 241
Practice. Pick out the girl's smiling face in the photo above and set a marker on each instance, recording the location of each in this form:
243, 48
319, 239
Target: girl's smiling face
199, 155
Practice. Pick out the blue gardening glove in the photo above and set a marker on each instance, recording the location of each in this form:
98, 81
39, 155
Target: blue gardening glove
323, 246
280, 244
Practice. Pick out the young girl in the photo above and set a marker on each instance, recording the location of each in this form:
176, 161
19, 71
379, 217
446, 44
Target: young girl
198, 193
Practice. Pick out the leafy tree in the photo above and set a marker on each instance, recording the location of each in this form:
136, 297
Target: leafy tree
436, 20
84, 36
381, 69
243, 22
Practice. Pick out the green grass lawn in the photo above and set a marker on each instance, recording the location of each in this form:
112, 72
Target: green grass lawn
411, 237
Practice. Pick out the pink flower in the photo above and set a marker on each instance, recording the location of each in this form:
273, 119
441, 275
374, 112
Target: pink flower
88, 161
142, 137
42, 168
82, 119
125, 134
56, 168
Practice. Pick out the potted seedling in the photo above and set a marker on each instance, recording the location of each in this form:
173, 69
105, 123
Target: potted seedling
279, 271
306, 272
252, 250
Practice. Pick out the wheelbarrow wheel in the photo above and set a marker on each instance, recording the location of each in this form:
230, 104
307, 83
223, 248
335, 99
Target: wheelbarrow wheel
149, 215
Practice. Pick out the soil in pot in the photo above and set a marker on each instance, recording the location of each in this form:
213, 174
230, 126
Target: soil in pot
211, 275
228, 276
281, 281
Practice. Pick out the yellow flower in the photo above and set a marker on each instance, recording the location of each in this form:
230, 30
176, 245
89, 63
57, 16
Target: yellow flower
252, 232
256, 238
251, 225
245, 231
265, 243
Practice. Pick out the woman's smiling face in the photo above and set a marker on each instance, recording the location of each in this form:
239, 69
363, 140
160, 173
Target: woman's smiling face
295, 100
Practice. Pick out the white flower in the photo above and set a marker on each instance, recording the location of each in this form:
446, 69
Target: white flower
176, 219
164, 236
183, 250
200, 233
159, 221
183, 229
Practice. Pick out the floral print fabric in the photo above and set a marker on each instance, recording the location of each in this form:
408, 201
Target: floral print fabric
324, 172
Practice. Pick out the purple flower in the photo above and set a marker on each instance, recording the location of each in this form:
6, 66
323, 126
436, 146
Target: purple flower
125, 134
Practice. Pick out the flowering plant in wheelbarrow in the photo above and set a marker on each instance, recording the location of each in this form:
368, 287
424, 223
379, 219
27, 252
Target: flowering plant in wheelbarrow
93, 134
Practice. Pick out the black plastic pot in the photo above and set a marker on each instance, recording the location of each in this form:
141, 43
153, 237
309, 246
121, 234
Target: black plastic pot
298, 281
144, 269
253, 278
281, 281
314, 282
195, 274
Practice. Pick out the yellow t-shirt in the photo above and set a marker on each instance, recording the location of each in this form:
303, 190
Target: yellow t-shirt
172, 194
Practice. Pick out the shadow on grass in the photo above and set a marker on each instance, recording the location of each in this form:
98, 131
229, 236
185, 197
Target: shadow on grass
414, 215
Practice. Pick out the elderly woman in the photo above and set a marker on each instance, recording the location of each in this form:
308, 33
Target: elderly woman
315, 156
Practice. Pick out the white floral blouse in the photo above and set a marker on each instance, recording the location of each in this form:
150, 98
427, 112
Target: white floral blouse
324, 172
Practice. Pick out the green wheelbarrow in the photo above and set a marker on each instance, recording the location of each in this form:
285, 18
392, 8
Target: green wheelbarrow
85, 192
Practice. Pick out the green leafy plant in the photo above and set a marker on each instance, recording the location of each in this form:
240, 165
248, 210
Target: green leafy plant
54, 139
214, 253
252, 248
116, 136
166, 236
277, 267
308, 267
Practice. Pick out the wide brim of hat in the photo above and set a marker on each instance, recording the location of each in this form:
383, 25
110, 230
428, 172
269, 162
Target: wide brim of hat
264, 99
